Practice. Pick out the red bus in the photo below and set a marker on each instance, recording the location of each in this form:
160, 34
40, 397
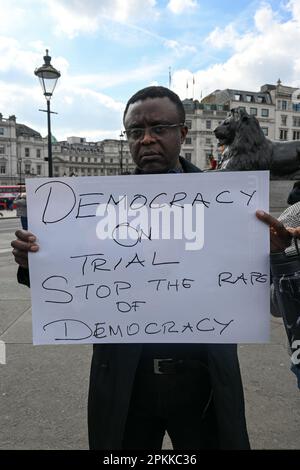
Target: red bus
8, 193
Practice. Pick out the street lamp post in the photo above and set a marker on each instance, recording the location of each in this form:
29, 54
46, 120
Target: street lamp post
48, 77
20, 174
121, 152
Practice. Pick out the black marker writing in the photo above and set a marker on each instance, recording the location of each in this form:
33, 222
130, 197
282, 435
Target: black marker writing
249, 195
46, 281
253, 278
70, 326
76, 330
125, 307
225, 201
134, 235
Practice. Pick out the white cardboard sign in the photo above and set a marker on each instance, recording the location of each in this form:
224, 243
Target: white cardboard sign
173, 258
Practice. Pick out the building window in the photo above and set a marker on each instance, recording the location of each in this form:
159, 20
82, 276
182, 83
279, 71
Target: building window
265, 112
27, 152
38, 153
95, 171
253, 111
265, 130
283, 105
188, 140
260, 99
283, 119
249, 98
27, 168
188, 124
208, 124
1, 130
2, 150
296, 121
2, 169
296, 107
111, 160
38, 170
283, 134
237, 97
188, 156
208, 140
296, 135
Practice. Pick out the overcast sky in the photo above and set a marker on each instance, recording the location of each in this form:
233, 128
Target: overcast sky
108, 49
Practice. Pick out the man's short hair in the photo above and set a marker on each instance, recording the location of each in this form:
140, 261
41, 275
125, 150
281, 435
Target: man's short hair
157, 92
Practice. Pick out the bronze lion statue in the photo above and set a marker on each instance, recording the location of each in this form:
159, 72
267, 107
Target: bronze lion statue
247, 148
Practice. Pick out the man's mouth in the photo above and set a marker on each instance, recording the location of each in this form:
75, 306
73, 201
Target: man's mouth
150, 154
150, 157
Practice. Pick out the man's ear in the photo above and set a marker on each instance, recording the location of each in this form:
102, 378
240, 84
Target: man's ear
183, 131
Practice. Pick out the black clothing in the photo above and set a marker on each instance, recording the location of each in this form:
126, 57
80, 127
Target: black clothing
294, 195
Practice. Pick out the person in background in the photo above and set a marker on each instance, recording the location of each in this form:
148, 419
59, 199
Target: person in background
10, 204
21, 206
283, 232
212, 162
294, 195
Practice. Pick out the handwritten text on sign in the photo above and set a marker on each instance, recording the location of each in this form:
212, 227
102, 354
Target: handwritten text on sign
160, 258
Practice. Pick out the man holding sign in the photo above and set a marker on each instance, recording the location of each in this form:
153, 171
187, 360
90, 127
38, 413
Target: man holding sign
140, 391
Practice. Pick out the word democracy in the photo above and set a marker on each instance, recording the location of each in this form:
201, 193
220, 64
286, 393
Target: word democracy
60, 201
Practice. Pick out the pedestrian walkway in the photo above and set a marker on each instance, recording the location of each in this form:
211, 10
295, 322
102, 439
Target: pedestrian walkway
4, 214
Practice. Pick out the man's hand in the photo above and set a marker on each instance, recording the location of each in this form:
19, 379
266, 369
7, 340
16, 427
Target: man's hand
280, 237
25, 242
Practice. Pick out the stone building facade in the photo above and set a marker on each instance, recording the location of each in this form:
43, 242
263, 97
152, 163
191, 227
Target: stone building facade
277, 108
23, 150
23, 154
77, 157
202, 119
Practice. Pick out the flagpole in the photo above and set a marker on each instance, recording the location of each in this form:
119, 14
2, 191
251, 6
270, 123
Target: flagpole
193, 87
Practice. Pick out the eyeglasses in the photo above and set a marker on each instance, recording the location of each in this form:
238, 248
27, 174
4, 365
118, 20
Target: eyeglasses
159, 130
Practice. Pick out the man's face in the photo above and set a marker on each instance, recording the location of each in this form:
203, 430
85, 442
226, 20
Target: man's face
155, 152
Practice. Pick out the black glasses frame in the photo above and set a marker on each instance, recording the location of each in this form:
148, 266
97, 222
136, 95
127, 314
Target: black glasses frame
137, 133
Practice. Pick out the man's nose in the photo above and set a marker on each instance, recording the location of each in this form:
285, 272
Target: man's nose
148, 137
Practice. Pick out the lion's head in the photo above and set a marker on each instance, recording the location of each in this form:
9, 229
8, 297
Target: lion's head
225, 132
246, 145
